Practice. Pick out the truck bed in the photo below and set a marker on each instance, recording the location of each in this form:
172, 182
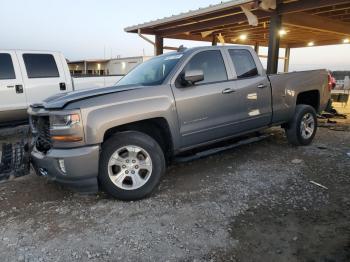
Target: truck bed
287, 86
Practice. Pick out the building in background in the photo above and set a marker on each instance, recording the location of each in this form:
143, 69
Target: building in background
114, 66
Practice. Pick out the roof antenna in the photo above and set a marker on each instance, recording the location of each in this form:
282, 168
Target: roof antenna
181, 48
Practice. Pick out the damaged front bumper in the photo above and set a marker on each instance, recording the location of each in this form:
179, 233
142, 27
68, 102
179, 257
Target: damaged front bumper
75, 168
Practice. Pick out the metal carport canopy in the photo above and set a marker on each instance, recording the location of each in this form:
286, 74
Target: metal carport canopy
293, 24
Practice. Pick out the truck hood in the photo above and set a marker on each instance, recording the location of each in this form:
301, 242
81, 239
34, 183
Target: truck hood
61, 100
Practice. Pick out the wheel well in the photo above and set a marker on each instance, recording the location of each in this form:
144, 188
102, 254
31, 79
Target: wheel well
311, 98
157, 128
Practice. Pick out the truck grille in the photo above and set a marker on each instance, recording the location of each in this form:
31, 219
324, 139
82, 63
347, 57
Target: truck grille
41, 130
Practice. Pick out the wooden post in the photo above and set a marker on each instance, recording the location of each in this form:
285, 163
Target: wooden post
159, 45
256, 48
85, 68
214, 42
286, 59
274, 43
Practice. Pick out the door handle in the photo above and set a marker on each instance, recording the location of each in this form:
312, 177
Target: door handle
228, 91
10, 86
262, 86
63, 86
19, 89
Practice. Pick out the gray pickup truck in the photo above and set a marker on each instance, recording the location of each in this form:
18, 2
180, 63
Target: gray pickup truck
121, 138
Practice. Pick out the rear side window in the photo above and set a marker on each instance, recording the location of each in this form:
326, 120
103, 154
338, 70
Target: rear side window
212, 64
40, 65
6, 67
244, 63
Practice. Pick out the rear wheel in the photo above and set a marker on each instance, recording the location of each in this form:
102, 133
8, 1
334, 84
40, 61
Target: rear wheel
302, 129
131, 165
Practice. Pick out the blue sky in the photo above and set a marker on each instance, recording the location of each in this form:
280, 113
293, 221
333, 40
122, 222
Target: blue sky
94, 29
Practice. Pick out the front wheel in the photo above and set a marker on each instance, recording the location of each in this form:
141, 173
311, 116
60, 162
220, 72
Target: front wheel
131, 165
301, 130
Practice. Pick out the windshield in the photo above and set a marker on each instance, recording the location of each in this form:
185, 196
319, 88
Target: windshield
152, 72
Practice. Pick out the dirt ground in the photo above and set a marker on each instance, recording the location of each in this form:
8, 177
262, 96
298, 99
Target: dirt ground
251, 203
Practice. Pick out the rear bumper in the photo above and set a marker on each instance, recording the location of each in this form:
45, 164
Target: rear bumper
81, 165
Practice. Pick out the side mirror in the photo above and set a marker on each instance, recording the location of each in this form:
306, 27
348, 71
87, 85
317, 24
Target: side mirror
193, 76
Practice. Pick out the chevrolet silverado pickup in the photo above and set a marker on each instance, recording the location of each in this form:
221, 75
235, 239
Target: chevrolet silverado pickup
121, 138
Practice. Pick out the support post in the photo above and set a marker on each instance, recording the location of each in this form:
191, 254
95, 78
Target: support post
274, 43
85, 68
286, 59
159, 45
214, 41
256, 48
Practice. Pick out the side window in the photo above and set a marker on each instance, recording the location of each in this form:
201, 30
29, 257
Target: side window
212, 65
244, 63
6, 67
40, 65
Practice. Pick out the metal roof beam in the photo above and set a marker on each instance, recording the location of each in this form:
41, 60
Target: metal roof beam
319, 43
318, 23
205, 17
303, 5
209, 24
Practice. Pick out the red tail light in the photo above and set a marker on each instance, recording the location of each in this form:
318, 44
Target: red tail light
331, 82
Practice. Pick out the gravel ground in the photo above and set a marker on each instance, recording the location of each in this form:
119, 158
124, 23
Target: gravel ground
252, 203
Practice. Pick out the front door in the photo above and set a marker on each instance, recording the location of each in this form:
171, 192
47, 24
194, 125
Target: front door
13, 103
43, 74
205, 109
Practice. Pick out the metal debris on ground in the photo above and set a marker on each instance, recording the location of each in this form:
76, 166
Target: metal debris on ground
297, 161
334, 125
325, 119
318, 184
14, 156
338, 128
14, 160
332, 113
6, 158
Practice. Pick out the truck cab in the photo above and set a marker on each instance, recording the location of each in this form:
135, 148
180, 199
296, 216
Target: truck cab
28, 77
233, 96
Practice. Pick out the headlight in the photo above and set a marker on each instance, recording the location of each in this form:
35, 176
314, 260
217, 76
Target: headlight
63, 121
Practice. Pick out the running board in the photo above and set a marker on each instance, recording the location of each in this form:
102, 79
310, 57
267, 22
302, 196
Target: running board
216, 150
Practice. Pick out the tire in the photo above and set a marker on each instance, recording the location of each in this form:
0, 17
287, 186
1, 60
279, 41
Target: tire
134, 161
300, 135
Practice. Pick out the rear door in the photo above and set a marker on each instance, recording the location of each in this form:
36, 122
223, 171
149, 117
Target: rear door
13, 103
43, 74
253, 88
